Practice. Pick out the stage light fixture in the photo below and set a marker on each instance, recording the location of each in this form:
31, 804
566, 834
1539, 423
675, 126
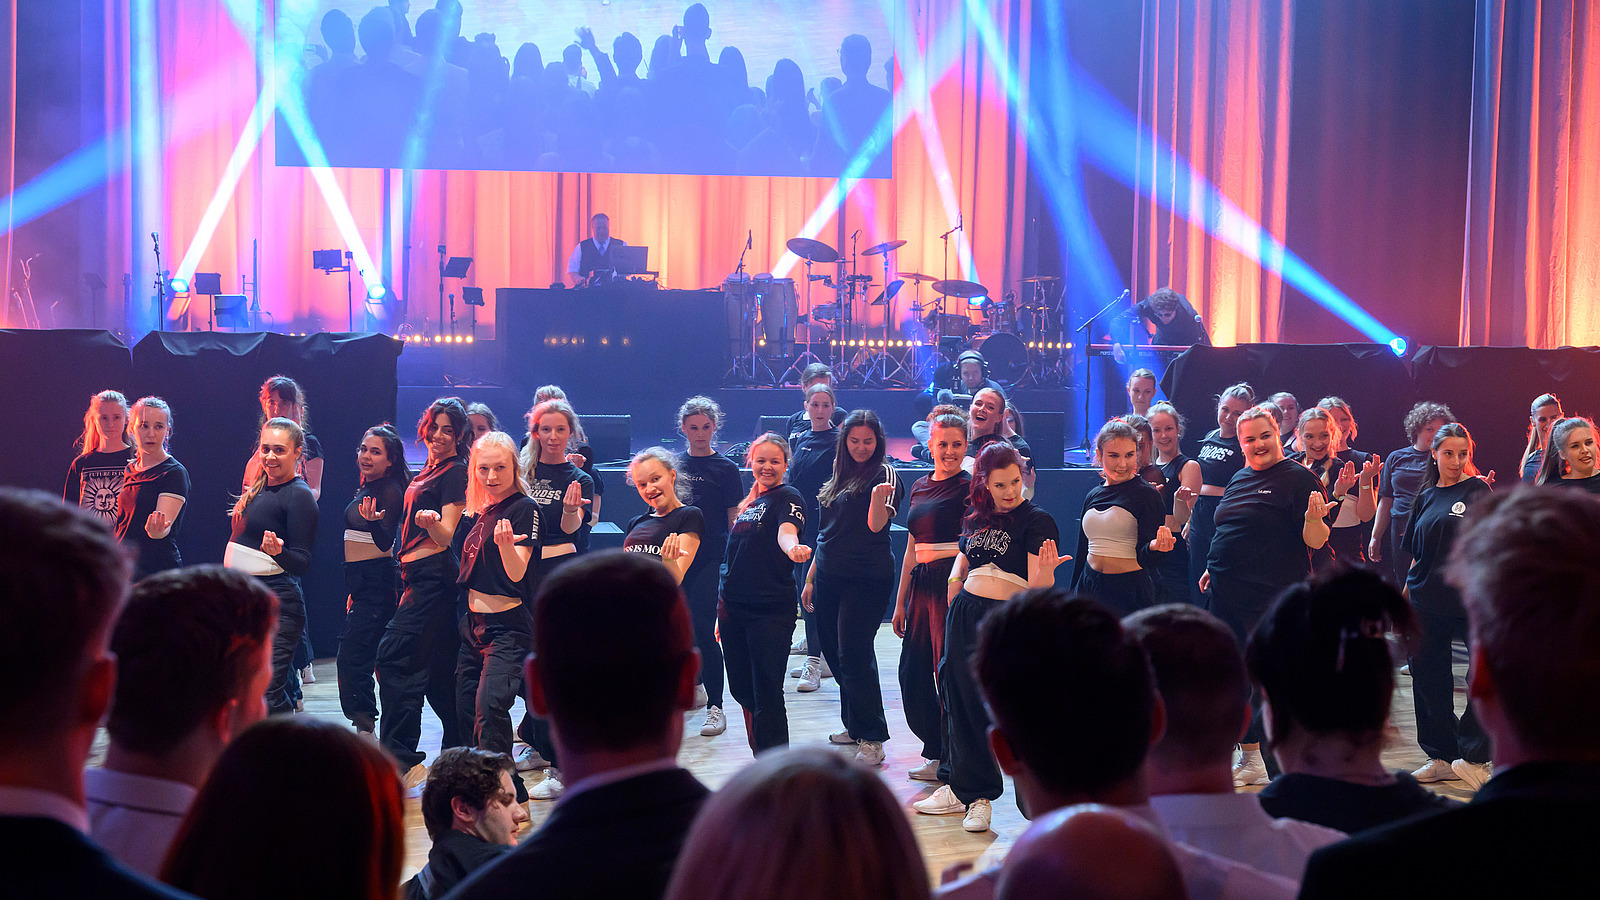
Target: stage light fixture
1398, 345
178, 285
376, 290
977, 302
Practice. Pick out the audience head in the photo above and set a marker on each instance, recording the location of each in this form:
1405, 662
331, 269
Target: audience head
765, 832
1090, 852
105, 423
1200, 675
696, 23
377, 34
332, 789
339, 32
627, 53
430, 34
1053, 668
1530, 579
613, 664
528, 62
194, 656
1321, 656
855, 56
470, 791
1423, 421
663, 56
63, 578
572, 58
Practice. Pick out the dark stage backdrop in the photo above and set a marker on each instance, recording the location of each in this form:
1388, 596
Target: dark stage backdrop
49, 376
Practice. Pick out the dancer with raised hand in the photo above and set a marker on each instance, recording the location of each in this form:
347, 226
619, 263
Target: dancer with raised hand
1569, 458
1008, 545
1182, 476
1124, 535
756, 617
1219, 458
671, 530
274, 527
94, 479
938, 504
716, 489
371, 572
1353, 526
417, 654
155, 490
1318, 436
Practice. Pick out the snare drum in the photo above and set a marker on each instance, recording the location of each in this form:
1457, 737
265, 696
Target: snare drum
780, 310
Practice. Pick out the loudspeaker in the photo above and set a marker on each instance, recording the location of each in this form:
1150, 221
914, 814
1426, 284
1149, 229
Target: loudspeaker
610, 437
776, 424
1046, 437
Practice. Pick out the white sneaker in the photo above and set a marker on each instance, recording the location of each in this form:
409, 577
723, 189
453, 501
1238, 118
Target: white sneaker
308, 675
800, 670
700, 697
978, 814
716, 722
1250, 769
798, 648
869, 753
1434, 771
548, 789
1406, 670
1476, 775
810, 675
942, 802
842, 738
928, 771
414, 776
529, 759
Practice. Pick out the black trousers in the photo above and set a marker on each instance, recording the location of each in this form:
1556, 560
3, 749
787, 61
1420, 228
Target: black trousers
700, 589
1173, 581
535, 730
1439, 733
374, 591
284, 688
755, 645
1240, 604
489, 674
927, 605
849, 609
417, 658
1202, 525
1123, 593
973, 770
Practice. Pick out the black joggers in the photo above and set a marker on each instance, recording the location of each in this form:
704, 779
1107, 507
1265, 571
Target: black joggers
373, 586
417, 658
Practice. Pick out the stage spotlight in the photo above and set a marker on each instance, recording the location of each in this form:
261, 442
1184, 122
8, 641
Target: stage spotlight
1398, 345
178, 285
376, 290
977, 302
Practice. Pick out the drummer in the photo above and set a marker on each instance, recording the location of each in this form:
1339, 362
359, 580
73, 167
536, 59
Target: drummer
955, 383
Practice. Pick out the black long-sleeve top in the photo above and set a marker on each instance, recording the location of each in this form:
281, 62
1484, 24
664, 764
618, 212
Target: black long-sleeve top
1143, 502
289, 511
391, 497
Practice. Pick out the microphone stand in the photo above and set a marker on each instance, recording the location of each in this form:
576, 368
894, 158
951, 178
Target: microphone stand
161, 286
1088, 362
944, 274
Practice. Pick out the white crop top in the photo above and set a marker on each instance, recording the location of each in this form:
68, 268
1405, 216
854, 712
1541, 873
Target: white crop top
1113, 533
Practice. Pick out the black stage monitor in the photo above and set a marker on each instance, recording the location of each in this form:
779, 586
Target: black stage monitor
632, 260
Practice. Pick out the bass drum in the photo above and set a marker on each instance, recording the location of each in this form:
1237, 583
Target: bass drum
1006, 354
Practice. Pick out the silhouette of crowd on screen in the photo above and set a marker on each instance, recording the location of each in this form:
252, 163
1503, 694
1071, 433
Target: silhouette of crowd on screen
387, 91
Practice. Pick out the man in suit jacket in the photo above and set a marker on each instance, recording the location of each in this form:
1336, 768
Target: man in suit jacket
63, 578
613, 668
1530, 579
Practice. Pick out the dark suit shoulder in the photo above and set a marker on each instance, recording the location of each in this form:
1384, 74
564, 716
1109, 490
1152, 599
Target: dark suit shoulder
43, 858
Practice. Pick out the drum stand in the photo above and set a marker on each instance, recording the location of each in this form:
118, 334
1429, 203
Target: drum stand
806, 358
745, 368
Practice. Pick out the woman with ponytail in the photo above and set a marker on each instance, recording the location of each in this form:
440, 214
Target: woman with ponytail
95, 477
1569, 457
1544, 412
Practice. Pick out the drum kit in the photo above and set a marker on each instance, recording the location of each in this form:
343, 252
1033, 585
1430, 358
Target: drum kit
766, 324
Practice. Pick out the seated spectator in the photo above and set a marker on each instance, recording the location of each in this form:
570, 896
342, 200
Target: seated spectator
1201, 678
470, 809
194, 656
1091, 852
294, 808
1528, 572
1321, 657
1075, 710
803, 823
613, 669
63, 578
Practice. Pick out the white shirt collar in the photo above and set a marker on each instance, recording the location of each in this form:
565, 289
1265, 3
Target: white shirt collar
139, 792
20, 801
612, 776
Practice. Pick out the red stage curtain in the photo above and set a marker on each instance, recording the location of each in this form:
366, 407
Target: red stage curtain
1532, 273
1215, 87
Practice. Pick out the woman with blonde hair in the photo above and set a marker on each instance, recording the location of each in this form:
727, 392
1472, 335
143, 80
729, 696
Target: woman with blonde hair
155, 489
761, 836
1544, 412
94, 479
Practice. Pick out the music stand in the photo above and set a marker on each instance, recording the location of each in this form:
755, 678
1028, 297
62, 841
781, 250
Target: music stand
473, 297
209, 284
230, 311
454, 267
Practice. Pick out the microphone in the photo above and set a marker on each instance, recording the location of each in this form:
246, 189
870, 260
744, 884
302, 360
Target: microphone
750, 239
856, 235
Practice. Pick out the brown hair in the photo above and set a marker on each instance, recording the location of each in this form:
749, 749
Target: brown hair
776, 440
1201, 677
297, 437
465, 772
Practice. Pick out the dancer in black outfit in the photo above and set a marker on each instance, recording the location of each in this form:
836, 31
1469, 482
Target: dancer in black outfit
1398, 485
1317, 434
417, 654
814, 449
1008, 545
849, 585
499, 572
274, 526
94, 479
938, 504
1219, 459
1544, 412
1271, 518
715, 488
155, 492
671, 530
1353, 526
1123, 536
1569, 458
1457, 749
371, 572
756, 616
1182, 476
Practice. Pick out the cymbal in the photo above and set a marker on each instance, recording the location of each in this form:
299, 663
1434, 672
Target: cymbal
916, 276
955, 288
883, 248
815, 251
1041, 279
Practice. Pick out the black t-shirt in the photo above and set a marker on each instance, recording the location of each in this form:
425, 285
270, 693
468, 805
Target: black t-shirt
1219, 459
391, 498
1347, 806
1400, 480
1259, 525
938, 508
800, 422
1530, 466
141, 491
289, 511
1429, 536
978, 443
1172, 472
756, 571
811, 456
549, 490
647, 532
1143, 502
845, 543
482, 568
1007, 542
95, 479
435, 487
714, 488
454, 856
1590, 484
